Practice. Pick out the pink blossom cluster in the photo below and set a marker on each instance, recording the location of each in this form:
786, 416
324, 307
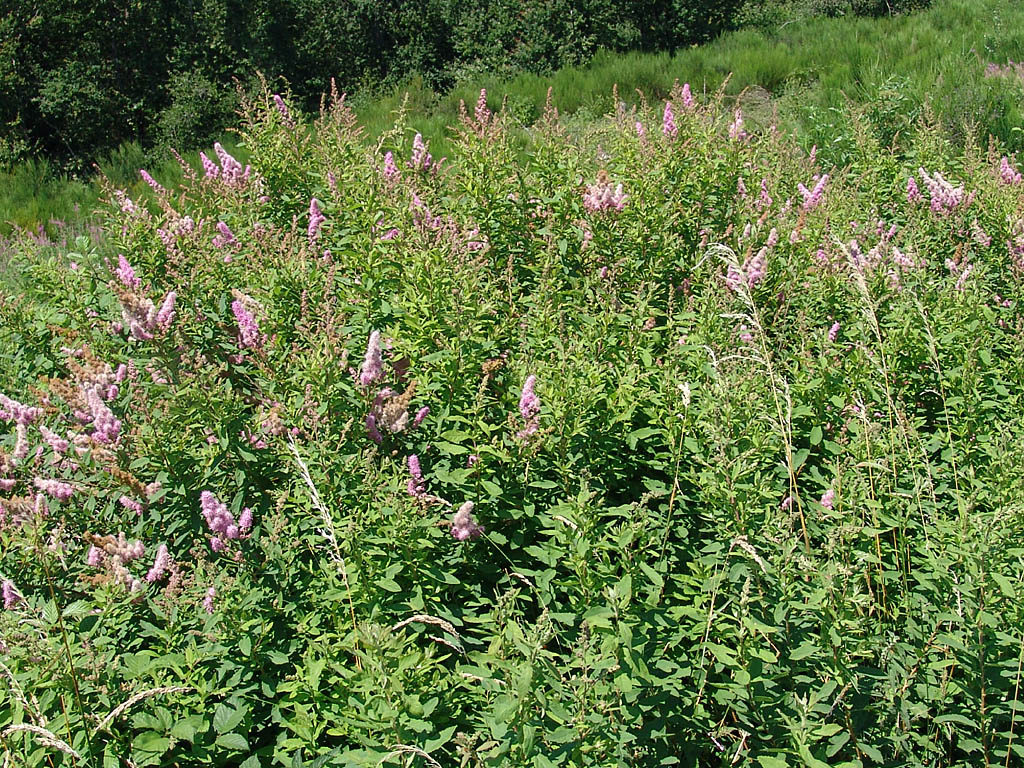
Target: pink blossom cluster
114, 554
961, 270
913, 191
529, 408
828, 499
421, 160
416, 486
602, 196
178, 226
316, 220
669, 129
143, 319
249, 335
12, 410
161, 565
736, 132
132, 505
211, 593
282, 109
154, 185
752, 272
463, 526
812, 197
372, 368
57, 489
221, 522
833, 332
981, 237
105, 425
230, 171
1008, 174
944, 197
56, 442
126, 274
391, 172
422, 216
225, 238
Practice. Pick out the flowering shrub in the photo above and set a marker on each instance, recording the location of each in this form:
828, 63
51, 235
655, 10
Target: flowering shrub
339, 458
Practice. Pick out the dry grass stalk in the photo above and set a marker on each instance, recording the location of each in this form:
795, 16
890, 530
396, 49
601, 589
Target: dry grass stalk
329, 534
399, 749
45, 737
120, 709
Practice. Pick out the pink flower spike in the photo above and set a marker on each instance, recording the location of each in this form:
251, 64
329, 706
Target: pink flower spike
828, 499
421, 414
208, 600
161, 564
373, 364
152, 182
10, 595
249, 336
126, 274
668, 122
529, 408
165, 315
316, 220
687, 96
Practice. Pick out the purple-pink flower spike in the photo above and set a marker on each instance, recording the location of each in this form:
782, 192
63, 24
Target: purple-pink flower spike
208, 600
529, 408
687, 96
10, 595
126, 274
421, 414
161, 564
249, 335
828, 499
416, 486
668, 122
316, 220
373, 364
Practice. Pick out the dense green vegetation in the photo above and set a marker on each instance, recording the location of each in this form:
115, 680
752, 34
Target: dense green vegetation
652, 439
812, 76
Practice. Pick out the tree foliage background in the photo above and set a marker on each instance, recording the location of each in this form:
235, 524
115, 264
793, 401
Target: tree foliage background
79, 77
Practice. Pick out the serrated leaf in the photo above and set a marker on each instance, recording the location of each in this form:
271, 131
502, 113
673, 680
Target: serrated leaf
232, 741
225, 718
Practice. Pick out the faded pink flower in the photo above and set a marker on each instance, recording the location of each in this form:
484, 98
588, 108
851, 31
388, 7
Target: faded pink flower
10, 595
464, 527
211, 593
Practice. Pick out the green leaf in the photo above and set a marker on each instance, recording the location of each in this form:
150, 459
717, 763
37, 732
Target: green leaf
767, 761
803, 651
450, 449
232, 741
150, 741
225, 718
